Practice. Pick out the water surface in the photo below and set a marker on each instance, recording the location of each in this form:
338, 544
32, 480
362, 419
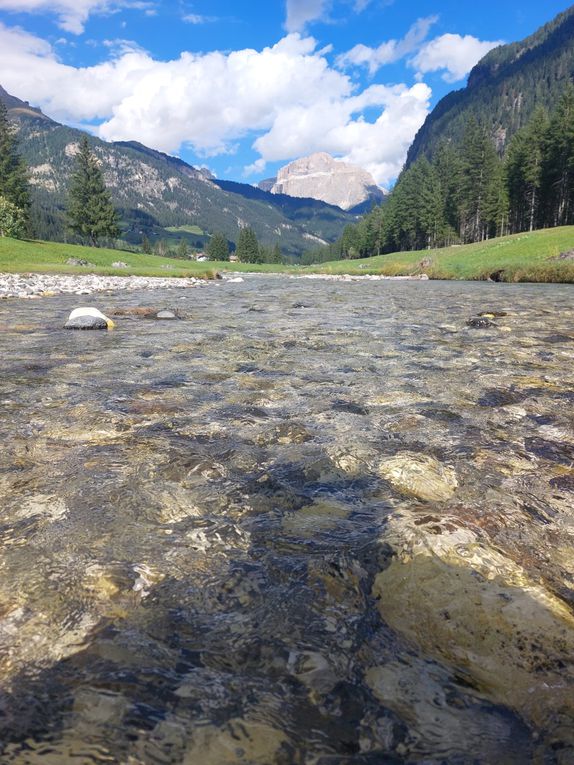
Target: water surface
311, 522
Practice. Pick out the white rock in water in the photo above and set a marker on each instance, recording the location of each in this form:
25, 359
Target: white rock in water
236, 280
88, 318
420, 475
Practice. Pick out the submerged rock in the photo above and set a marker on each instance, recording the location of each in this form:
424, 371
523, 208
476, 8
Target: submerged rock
463, 602
321, 516
88, 318
313, 670
238, 742
492, 314
166, 315
420, 476
480, 322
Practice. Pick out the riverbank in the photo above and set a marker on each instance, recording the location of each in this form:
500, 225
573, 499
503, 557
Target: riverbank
28, 286
539, 256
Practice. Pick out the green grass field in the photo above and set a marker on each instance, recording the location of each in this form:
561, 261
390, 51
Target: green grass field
518, 258
185, 229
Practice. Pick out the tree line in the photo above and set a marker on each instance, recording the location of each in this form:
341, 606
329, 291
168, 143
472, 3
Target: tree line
470, 193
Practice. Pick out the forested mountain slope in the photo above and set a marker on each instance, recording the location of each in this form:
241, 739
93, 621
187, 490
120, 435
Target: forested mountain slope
504, 89
155, 192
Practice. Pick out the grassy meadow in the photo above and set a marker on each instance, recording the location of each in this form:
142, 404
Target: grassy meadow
25, 256
527, 257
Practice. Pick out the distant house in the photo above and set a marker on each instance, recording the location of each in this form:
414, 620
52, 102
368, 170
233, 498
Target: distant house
201, 258
233, 259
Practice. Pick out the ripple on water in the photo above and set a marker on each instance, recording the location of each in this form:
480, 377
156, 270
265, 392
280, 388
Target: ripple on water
310, 522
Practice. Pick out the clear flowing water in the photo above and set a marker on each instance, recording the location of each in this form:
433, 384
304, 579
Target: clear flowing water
310, 522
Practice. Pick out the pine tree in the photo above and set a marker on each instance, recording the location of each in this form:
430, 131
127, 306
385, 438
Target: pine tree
12, 219
558, 164
479, 167
218, 247
276, 256
448, 166
247, 246
524, 163
90, 211
182, 249
13, 172
429, 206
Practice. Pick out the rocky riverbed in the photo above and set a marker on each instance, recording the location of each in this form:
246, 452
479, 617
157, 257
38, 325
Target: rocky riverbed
28, 286
307, 523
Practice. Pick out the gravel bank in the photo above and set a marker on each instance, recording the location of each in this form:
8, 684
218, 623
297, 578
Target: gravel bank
44, 285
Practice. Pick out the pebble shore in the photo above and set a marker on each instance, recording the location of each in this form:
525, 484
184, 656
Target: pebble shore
45, 285
362, 277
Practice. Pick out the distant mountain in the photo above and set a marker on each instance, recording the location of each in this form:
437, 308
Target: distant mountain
158, 195
267, 184
321, 177
504, 88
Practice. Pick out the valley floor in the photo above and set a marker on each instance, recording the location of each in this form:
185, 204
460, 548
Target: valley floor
540, 256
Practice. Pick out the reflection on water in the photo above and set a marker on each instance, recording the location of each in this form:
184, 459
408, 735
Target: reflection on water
313, 522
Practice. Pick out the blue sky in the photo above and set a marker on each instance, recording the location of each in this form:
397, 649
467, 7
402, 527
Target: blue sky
243, 87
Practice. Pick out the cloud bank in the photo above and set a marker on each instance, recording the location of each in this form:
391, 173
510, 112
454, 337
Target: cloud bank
287, 98
452, 54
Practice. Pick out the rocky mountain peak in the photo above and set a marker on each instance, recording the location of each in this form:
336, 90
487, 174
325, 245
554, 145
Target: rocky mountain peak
321, 176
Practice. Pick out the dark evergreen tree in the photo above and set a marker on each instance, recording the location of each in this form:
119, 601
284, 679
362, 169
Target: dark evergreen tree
91, 213
275, 254
350, 242
479, 178
524, 161
430, 206
248, 247
146, 246
558, 164
448, 166
13, 172
182, 251
218, 247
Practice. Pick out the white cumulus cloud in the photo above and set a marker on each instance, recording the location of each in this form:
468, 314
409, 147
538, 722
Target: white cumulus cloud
337, 126
455, 54
72, 14
388, 51
286, 99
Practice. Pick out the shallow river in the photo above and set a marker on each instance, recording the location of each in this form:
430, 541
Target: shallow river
310, 523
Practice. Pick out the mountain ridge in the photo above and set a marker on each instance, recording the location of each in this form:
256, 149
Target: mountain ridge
158, 196
322, 177
504, 88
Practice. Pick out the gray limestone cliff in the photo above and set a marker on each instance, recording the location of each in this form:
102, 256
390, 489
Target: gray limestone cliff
320, 176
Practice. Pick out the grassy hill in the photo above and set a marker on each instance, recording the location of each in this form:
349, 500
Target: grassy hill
520, 258
25, 256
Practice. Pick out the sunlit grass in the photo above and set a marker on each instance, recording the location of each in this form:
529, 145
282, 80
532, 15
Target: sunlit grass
518, 258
